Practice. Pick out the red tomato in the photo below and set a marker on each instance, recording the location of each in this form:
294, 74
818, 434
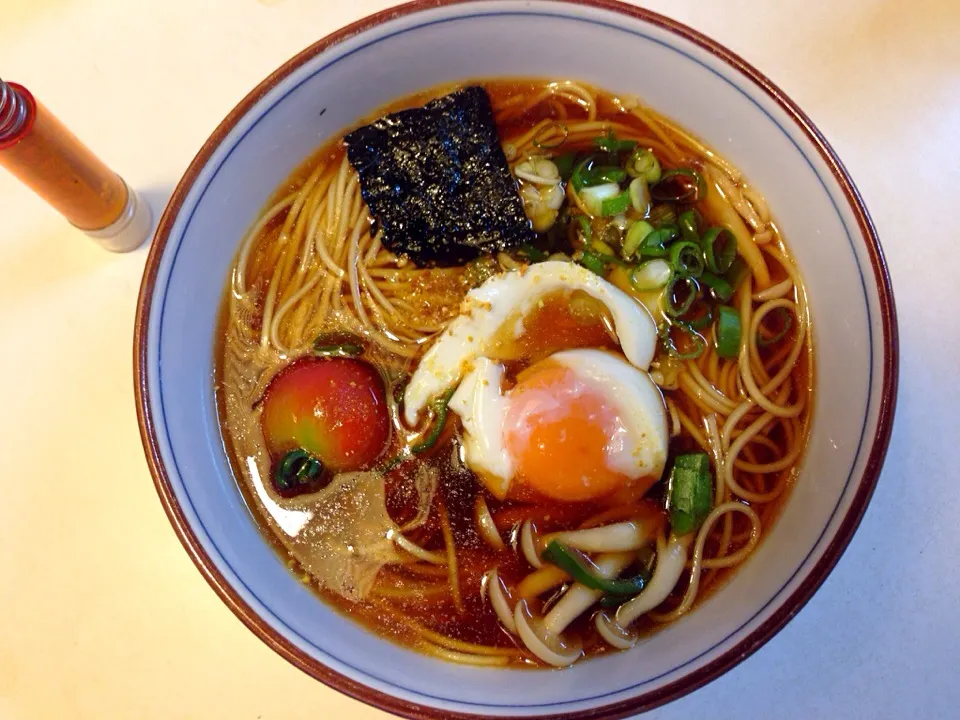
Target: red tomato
334, 408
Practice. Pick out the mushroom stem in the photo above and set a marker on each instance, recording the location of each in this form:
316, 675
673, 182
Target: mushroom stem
671, 561
499, 602
618, 537
579, 597
529, 545
544, 636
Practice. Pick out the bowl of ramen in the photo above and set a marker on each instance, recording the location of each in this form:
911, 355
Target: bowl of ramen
499, 359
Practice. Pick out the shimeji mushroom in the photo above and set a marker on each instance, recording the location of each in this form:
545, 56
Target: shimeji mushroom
498, 600
618, 537
528, 545
542, 191
671, 560
543, 636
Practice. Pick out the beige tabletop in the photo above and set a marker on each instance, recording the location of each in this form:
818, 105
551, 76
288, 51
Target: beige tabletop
103, 615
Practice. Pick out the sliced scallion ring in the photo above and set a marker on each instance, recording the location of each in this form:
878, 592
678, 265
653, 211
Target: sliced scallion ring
689, 223
680, 295
609, 143
690, 335
636, 234
616, 205
720, 249
686, 258
721, 289
785, 324
655, 243
594, 197
297, 467
640, 195
593, 262
704, 319
644, 164
651, 275
679, 185
728, 332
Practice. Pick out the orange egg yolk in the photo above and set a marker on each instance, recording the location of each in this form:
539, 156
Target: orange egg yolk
557, 431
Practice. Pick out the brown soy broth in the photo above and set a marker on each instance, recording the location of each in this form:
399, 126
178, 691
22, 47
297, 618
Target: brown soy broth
428, 600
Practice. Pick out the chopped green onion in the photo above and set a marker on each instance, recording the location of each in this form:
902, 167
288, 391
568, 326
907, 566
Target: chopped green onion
689, 492
686, 258
643, 163
640, 195
564, 164
610, 144
680, 295
586, 230
607, 174
737, 273
635, 235
440, 408
583, 571
338, 345
679, 185
577, 177
655, 243
594, 196
593, 262
704, 318
531, 253
297, 467
662, 214
586, 174
785, 325
720, 249
689, 223
693, 461
728, 332
670, 345
721, 289
615, 205
651, 275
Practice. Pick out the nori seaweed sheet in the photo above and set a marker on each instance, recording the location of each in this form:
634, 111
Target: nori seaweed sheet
436, 180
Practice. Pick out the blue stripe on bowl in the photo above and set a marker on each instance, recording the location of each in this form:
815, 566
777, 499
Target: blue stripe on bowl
275, 620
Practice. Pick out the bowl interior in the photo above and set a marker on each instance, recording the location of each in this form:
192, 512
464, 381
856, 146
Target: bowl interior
332, 89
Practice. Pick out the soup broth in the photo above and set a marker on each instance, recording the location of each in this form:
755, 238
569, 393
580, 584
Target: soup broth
479, 459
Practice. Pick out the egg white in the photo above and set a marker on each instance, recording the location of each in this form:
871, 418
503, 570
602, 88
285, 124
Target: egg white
514, 294
638, 449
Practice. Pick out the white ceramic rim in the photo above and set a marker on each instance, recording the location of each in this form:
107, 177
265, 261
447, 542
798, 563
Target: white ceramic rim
162, 254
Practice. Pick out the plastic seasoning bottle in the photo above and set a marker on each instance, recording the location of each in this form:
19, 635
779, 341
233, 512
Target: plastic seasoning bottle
47, 157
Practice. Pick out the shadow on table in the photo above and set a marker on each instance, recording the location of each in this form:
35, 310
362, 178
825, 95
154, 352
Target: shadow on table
157, 197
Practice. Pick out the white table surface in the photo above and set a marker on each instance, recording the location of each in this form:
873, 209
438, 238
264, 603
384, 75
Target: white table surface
102, 614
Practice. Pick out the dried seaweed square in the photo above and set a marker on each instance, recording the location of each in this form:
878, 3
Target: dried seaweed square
437, 182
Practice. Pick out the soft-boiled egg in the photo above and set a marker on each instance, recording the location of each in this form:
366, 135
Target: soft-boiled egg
577, 426
501, 304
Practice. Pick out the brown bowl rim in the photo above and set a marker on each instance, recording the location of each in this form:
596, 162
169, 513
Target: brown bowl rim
645, 701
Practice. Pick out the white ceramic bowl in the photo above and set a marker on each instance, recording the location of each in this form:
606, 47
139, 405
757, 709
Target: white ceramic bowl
348, 75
